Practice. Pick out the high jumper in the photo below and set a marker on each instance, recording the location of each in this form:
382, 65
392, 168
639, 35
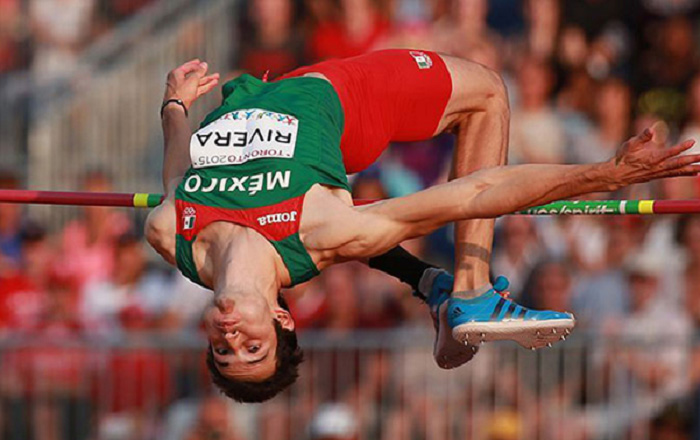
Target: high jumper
257, 199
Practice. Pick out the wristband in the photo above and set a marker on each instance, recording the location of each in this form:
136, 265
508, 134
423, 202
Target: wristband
175, 101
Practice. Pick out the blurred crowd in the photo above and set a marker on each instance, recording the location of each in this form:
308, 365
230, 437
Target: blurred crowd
582, 76
46, 37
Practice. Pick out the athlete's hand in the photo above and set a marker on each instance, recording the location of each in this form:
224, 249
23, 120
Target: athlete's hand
190, 81
642, 159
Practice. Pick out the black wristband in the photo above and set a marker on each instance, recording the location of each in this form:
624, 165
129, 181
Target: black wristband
176, 101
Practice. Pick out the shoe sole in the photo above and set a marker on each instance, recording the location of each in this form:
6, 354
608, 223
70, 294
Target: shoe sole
447, 352
530, 334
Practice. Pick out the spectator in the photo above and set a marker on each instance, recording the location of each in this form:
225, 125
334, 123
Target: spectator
61, 28
333, 422
537, 135
688, 235
140, 382
543, 18
132, 289
517, 251
116, 10
655, 375
10, 223
691, 130
359, 28
462, 26
213, 422
23, 295
56, 373
612, 115
11, 35
186, 304
88, 242
672, 58
593, 17
271, 43
342, 299
549, 287
602, 296
504, 425
580, 239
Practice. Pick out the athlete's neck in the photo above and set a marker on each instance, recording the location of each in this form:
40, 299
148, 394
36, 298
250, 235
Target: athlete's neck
244, 263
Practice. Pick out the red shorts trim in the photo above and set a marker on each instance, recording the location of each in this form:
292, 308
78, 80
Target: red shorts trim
275, 222
390, 95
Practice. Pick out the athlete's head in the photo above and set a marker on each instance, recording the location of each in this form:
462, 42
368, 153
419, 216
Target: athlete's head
253, 352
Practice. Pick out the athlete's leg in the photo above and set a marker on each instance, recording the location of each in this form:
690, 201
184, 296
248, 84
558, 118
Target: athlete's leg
478, 114
433, 286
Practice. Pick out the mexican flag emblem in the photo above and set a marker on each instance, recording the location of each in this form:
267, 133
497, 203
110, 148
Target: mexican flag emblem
188, 217
422, 59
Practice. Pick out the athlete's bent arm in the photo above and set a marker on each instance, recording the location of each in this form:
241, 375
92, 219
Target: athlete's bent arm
503, 190
186, 83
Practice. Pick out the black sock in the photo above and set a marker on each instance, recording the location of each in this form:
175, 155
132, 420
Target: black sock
400, 264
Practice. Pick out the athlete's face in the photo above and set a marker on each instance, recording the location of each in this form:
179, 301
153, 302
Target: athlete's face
243, 338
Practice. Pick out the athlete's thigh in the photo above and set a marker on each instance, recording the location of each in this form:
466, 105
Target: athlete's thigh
387, 96
473, 85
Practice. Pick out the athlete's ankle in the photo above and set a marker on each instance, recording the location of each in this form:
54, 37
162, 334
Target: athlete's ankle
427, 280
472, 293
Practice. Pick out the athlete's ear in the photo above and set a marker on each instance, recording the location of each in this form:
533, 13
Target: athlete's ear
285, 319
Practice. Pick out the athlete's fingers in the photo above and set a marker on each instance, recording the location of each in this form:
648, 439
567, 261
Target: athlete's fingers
678, 149
204, 80
688, 170
660, 131
203, 90
201, 69
682, 161
208, 85
207, 81
188, 67
642, 138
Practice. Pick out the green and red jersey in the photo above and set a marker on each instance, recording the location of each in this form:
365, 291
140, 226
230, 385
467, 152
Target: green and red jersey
253, 160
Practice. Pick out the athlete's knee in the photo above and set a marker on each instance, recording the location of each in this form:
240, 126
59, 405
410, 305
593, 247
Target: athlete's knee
495, 96
480, 88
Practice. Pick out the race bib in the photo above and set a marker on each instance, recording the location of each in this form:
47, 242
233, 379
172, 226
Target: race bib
244, 135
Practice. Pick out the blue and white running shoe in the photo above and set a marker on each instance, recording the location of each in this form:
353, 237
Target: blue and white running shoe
493, 317
436, 287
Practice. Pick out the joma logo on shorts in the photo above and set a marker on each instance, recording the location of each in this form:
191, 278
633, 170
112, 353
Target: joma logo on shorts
283, 217
250, 184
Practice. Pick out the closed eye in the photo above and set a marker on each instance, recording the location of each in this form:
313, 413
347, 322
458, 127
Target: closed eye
257, 361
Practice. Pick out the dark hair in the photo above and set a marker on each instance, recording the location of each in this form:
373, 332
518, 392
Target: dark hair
289, 356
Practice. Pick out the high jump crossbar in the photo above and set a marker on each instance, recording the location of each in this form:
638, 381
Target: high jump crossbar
564, 207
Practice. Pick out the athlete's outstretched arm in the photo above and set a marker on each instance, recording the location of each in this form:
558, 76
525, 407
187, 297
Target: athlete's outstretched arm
186, 83
499, 191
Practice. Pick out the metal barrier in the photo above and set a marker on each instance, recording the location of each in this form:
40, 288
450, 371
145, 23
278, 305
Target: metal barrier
144, 386
110, 119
